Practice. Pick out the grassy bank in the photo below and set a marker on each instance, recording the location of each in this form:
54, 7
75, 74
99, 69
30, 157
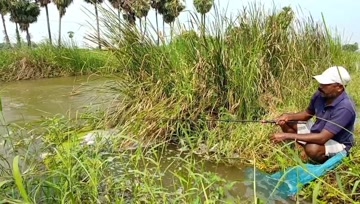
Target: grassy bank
73, 172
46, 61
255, 68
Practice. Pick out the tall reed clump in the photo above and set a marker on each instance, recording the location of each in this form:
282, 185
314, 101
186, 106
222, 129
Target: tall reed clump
249, 67
243, 68
47, 61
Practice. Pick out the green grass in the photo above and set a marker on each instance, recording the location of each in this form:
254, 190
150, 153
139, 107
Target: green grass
105, 172
46, 61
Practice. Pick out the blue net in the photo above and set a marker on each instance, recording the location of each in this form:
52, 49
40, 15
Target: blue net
286, 184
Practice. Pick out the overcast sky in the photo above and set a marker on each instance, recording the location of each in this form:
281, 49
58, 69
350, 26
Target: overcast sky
341, 15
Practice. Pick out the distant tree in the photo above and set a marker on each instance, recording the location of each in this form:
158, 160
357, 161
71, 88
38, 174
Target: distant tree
71, 34
351, 47
116, 4
12, 6
61, 5
141, 9
171, 11
3, 46
44, 3
129, 13
203, 7
161, 7
24, 13
95, 3
156, 5
4, 9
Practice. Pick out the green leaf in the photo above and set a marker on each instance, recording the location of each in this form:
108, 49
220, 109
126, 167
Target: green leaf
4, 182
338, 180
316, 192
355, 186
18, 180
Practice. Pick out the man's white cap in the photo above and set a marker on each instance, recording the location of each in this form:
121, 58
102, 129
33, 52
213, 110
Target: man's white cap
335, 74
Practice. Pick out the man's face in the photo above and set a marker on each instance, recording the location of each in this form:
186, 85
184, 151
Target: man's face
330, 90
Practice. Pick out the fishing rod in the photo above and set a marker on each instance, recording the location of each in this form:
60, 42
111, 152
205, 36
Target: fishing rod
257, 121
236, 121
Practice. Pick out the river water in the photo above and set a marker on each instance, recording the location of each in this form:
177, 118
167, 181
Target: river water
30, 100
25, 101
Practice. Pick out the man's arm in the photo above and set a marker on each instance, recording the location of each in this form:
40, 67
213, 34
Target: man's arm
315, 138
305, 115
300, 116
339, 120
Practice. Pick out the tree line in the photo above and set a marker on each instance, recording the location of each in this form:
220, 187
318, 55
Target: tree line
351, 47
26, 12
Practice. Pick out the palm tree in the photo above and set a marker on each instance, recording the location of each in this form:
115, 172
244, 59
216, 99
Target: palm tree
96, 2
24, 13
203, 7
162, 10
141, 9
156, 4
71, 36
4, 9
129, 13
116, 4
61, 5
44, 3
172, 10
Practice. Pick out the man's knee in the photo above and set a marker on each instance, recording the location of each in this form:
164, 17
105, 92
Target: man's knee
315, 152
287, 128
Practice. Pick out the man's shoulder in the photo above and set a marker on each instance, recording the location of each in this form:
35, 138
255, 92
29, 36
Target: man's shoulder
315, 95
347, 103
316, 98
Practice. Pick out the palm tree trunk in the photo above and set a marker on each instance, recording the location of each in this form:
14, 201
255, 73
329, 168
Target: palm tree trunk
7, 39
171, 31
48, 23
157, 27
140, 26
59, 40
119, 14
145, 25
202, 25
28, 37
163, 30
97, 23
17, 35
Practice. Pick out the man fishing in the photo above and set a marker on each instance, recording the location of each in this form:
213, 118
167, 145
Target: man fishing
335, 116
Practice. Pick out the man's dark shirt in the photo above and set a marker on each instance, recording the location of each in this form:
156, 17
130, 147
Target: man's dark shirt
334, 117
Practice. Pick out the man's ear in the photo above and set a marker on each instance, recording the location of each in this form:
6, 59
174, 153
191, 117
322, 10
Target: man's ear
342, 87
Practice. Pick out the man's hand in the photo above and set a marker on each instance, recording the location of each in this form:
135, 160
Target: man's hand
281, 120
279, 137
